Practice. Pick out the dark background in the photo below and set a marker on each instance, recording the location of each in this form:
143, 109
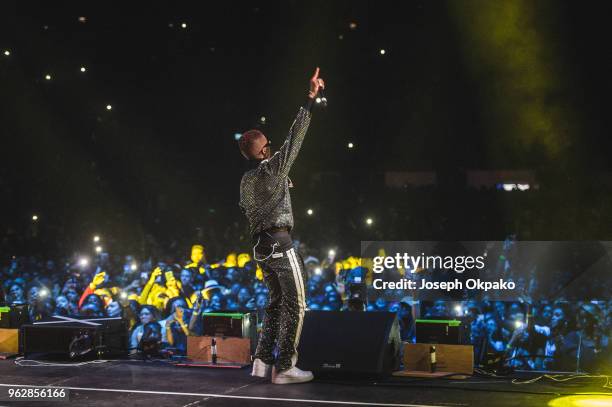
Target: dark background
462, 85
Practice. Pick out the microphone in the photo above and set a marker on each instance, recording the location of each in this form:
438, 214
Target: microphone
321, 99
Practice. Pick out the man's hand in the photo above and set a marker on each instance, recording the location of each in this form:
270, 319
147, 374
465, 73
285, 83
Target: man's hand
97, 280
316, 83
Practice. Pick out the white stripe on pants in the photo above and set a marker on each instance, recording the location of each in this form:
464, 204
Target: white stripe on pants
299, 286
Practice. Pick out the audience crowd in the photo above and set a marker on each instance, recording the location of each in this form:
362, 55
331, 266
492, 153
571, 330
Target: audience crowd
163, 301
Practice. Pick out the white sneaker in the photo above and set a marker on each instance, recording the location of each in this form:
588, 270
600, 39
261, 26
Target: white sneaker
292, 375
261, 369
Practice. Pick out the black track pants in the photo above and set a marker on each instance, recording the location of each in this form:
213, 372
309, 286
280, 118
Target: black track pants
283, 318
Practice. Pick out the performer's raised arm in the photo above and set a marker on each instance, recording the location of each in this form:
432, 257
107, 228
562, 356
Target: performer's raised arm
282, 160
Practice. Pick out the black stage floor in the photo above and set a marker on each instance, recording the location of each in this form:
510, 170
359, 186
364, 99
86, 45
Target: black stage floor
153, 384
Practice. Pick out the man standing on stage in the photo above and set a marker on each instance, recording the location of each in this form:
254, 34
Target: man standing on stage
265, 200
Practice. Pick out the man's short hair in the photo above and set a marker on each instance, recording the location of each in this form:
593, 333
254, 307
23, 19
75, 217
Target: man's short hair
245, 143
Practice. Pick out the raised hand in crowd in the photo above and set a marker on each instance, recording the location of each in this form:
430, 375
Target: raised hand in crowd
154, 274
98, 280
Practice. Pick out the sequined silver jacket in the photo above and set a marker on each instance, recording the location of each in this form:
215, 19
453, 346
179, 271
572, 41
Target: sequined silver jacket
264, 190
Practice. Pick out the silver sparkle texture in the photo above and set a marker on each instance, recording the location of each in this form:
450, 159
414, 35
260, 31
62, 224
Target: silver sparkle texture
264, 190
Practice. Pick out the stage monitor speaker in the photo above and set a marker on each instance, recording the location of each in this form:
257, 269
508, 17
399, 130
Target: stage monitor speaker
231, 324
450, 332
12, 317
350, 343
75, 338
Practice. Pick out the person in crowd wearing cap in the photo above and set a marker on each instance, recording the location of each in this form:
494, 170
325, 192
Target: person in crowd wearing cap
211, 287
266, 203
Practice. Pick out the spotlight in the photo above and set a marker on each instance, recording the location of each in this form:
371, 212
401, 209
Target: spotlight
184, 25
82, 20
83, 262
34, 218
383, 52
98, 249
458, 309
331, 252
262, 119
237, 136
518, 324
523, 187
7, 52
43, 293
318, 271
134, 267
353, 25
83, 69
48, 77
109, 107
369, 221
350, 145
96, 238
318, 100
123, 295
309, 211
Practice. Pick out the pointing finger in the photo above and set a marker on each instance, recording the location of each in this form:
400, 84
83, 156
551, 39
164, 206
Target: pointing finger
316, 74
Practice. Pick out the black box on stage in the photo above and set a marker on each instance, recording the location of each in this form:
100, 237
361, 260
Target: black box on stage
451, 332
14, 316
350, 343
75, 338
231, 324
